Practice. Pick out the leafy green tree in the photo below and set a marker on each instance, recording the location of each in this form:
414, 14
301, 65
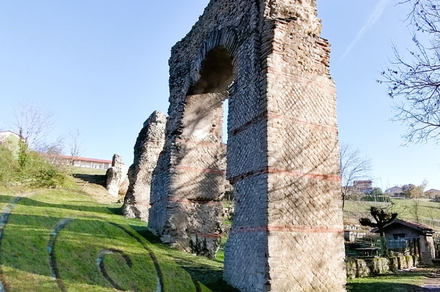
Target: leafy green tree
412, 191
376, 192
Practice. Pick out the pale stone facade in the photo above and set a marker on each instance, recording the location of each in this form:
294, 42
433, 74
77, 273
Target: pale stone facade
267, 57
148, 146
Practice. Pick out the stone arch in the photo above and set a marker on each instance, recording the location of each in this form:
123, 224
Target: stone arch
282, 147
216, 74
226, 38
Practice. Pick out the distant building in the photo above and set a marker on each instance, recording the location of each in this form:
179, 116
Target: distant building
363, 186
8, 135
91, 162
79, 161
401, 233
433, 194
10, 139
395, 192
359, 186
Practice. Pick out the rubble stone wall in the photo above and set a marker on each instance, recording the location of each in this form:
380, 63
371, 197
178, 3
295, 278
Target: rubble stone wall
149, 145
359, 268
267, 57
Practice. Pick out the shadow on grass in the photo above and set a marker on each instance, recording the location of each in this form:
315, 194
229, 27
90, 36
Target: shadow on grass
209, 276
79, 207
92, 178
385, 287
115, 210
31, 230
6, 199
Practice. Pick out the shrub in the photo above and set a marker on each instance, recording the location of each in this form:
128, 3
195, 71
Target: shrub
30, 170
376, 199
8, 166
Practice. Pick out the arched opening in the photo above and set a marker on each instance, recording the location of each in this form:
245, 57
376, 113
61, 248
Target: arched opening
201, 157
216, 74
205, 114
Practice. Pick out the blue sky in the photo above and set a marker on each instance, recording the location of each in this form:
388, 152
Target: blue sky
101, 67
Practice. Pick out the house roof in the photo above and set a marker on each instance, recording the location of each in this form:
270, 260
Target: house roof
433, 191
413, 225
88, 159
363, 181
394, 190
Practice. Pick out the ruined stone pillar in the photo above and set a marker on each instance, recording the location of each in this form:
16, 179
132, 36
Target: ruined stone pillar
268, 58
116, 177
149, 145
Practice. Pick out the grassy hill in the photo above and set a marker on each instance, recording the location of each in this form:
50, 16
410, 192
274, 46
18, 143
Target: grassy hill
74, 239
423, 211
65, 233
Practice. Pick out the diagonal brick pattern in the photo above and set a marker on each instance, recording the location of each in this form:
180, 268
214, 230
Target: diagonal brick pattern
266, 56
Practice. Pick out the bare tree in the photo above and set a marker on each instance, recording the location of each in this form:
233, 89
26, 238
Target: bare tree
52, 152
76, 149
352, 167
33, 122
414, 84
381, 217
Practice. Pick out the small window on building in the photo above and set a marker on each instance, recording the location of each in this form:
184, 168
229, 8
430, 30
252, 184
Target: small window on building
399, 235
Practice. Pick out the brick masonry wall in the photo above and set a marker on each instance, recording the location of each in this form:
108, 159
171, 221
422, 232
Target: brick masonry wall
190, 173
282, 151
304, 184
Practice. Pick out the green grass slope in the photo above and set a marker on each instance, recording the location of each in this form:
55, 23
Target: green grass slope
62, 240
423, 211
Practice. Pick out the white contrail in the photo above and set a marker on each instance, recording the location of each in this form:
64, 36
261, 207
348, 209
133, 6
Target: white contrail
374, 17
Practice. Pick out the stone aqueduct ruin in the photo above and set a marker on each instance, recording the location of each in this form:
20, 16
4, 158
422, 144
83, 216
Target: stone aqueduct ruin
268, 59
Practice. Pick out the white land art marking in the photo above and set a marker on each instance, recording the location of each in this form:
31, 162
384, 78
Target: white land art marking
3, 220
101, 267
7, 210
153, 257
52, 237
99, 261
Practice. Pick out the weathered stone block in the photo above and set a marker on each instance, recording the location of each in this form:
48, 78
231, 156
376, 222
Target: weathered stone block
381, 266
403, 264
351, 268
363, 269
149, 145
117, 178
394, 264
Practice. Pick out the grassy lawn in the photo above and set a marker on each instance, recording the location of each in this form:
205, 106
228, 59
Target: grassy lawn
401, 281
88, 171
63, 240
